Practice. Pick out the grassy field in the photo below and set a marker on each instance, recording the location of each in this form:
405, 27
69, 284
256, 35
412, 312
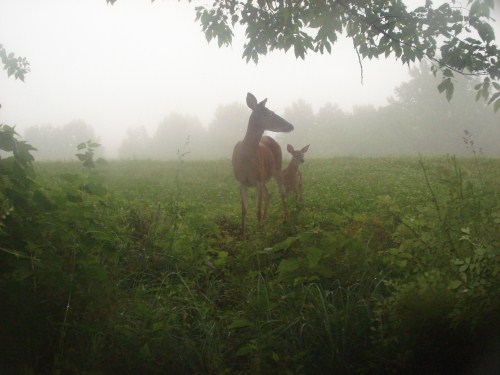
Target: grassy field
389, 265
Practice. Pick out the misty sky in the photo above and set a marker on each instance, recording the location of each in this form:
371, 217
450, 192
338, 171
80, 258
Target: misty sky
132, 64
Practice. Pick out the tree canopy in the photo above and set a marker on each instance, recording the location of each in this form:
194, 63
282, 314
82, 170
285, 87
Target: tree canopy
454, 38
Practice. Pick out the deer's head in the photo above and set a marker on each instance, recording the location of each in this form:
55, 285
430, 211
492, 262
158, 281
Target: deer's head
297, 155
264, 118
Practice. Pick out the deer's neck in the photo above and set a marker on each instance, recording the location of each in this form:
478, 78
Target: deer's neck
293, 166
252, 138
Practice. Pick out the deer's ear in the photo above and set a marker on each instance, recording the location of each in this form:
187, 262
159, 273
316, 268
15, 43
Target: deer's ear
263, 103
290, 149
304, 150
251, 101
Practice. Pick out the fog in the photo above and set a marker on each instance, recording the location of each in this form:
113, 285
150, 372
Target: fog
131, 71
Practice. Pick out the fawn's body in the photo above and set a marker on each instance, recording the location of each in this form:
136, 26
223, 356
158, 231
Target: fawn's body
292, 177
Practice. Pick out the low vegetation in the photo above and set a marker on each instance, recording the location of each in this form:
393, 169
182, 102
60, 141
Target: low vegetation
389, 265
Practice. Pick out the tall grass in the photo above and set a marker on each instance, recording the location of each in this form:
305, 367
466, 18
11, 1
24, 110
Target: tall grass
390, 265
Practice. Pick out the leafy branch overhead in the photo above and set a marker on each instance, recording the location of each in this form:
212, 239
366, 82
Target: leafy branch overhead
455, 39
17, 66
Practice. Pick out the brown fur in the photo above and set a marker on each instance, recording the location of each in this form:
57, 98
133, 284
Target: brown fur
292, 178
257, 158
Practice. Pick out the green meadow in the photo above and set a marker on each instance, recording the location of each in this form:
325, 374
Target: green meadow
389, 265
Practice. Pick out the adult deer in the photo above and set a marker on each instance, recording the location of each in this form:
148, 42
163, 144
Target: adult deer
291, 175
257, 158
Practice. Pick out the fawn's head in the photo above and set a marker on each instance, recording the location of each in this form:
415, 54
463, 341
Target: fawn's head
297, 155
264, 118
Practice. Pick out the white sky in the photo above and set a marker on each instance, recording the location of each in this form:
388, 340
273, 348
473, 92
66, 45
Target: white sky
132, 64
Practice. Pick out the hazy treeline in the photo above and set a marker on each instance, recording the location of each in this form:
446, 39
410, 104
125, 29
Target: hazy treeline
179, 134
60, 143
418, 119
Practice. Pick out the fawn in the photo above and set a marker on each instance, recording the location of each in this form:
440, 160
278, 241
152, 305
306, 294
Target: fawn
291, 175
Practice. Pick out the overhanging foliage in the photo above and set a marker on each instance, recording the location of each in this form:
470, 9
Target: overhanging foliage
455, 39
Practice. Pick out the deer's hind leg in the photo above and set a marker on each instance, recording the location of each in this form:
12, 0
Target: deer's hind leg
267, 197
262, 194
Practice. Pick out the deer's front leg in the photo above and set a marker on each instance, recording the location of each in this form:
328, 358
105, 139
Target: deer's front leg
260, 192
300, 191
243, 193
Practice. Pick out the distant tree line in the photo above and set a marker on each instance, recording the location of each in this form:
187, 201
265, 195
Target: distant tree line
417, 120
60, 143
184, 135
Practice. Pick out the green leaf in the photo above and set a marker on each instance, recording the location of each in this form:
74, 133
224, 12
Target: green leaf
449, 91
285, 244
313, 255
486, 90
494, 97
447, 73
89, 163
402, 263
289, 266
245, 350
480, 251
485, 31
497, 105
221, 258
328, 47
478, 95
455, 284
240, 323
443, 85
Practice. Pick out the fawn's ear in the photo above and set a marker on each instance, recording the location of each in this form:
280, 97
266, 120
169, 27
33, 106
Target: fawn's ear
251, 101
304, 150
290, 149
263, 103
